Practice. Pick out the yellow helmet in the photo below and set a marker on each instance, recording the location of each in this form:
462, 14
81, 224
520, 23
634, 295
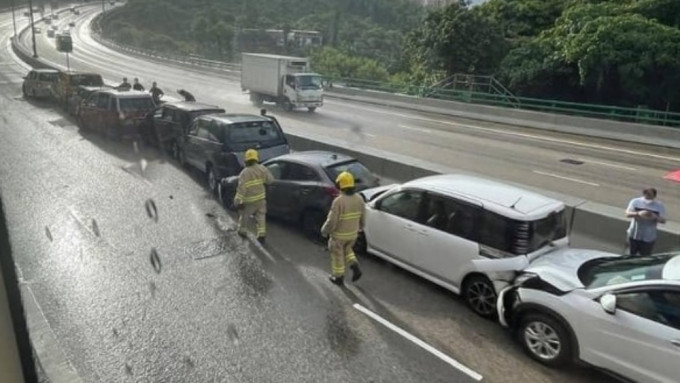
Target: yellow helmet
345, 180
252, 155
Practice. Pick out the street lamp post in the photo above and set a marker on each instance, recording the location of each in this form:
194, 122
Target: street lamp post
14, 21
30, 12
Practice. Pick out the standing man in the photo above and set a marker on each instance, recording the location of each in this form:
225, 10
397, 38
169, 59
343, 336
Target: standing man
125, 85
645, 213
156, 93
137, 85
251, 195
345, 220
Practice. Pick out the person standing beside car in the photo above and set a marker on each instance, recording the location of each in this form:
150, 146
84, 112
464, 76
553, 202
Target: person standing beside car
156, 93
344, 221
137, 85
125, 85
251, 195
646, 213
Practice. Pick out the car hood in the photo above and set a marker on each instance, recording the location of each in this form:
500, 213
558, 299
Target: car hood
560, 267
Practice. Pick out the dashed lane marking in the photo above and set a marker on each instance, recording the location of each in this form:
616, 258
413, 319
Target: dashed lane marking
566, 178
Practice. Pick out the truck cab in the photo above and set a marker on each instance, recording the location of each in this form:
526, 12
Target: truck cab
303, 90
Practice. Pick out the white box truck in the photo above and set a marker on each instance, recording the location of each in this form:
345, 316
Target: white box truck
284, 80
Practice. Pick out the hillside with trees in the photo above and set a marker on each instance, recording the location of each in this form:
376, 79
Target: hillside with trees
619, 52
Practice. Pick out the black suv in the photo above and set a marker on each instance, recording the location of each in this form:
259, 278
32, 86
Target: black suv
168, 123
304, 186
216, 143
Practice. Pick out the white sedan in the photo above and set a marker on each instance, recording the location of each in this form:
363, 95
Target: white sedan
620, 314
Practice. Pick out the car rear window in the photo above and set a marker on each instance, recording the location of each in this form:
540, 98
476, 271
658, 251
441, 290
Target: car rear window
86, 80
48, 77
361, 173
133, 104
243, 135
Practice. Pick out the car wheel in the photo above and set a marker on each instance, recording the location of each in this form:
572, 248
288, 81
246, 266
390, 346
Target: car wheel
226, 196
311, 109
23, 90
545, 339
182, 157
480, 295
311, 223
212, 180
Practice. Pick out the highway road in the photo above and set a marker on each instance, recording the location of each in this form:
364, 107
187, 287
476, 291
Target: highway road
216, 308
604, 171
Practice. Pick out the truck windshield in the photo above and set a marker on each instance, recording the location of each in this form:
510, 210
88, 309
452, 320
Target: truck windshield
309, 82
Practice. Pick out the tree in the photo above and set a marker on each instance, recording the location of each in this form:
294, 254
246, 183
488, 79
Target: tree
457, 39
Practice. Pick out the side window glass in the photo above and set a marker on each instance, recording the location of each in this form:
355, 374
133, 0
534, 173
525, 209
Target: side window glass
290, 81
214, 131
103, 101
662, 306
92, 101
277, 169
452, 216
301, 173
405, 204
193, 129
167, 114
496, 231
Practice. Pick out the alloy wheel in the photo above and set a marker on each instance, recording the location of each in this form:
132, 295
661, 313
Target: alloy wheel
542, 340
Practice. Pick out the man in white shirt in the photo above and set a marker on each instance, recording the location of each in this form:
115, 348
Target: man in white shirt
645, 213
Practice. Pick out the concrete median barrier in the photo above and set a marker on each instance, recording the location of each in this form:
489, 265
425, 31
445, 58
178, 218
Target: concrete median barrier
604, 225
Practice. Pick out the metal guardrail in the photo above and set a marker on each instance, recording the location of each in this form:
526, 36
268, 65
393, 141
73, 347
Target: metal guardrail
500, 97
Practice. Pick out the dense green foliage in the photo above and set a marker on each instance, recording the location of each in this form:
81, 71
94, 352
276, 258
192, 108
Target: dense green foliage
622, 52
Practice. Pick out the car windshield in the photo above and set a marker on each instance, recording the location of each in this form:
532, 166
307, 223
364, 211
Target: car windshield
52, 77
86, 80
605, 272
361, 174
309, 82
244, 135
129, 104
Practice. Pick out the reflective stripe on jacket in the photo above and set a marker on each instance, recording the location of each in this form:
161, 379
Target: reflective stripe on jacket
345, 218
251, 184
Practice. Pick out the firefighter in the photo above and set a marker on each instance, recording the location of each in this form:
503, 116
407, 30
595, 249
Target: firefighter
251, 195
345, 221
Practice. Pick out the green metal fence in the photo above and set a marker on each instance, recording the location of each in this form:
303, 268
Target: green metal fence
638, 115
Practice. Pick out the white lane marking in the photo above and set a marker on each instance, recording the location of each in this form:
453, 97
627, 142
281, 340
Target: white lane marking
610, 165
447, 359
525, 135
566, 178
416, 128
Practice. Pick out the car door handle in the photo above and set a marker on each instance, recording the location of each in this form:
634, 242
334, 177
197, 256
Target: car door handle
675, 342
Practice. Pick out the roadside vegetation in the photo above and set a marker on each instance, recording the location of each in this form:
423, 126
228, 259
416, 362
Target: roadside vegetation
619, 52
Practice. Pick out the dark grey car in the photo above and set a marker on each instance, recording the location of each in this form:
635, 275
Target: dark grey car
216, 143
168, 123
304, 186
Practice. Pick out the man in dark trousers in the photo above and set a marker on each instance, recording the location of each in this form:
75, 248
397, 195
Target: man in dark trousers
645, 214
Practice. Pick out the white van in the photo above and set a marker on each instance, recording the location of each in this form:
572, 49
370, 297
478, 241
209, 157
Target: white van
448, 228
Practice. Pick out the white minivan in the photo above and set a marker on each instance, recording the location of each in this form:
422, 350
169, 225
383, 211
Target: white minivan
448, 228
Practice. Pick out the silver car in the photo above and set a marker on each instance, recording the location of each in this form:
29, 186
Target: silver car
619, 314
40, 83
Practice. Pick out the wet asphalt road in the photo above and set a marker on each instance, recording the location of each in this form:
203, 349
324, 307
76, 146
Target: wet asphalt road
218, 309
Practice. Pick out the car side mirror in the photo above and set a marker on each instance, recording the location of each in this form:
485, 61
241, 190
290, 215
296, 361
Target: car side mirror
608, 303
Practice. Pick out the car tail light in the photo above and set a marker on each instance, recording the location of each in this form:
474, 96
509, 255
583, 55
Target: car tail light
332, 191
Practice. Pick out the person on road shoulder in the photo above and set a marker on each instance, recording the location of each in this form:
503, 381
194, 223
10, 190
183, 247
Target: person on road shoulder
125, 85
646, 213
188, 97
156, 93
344, 222
251, 195
137, 85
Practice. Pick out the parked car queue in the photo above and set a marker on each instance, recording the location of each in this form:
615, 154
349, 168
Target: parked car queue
503, 249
